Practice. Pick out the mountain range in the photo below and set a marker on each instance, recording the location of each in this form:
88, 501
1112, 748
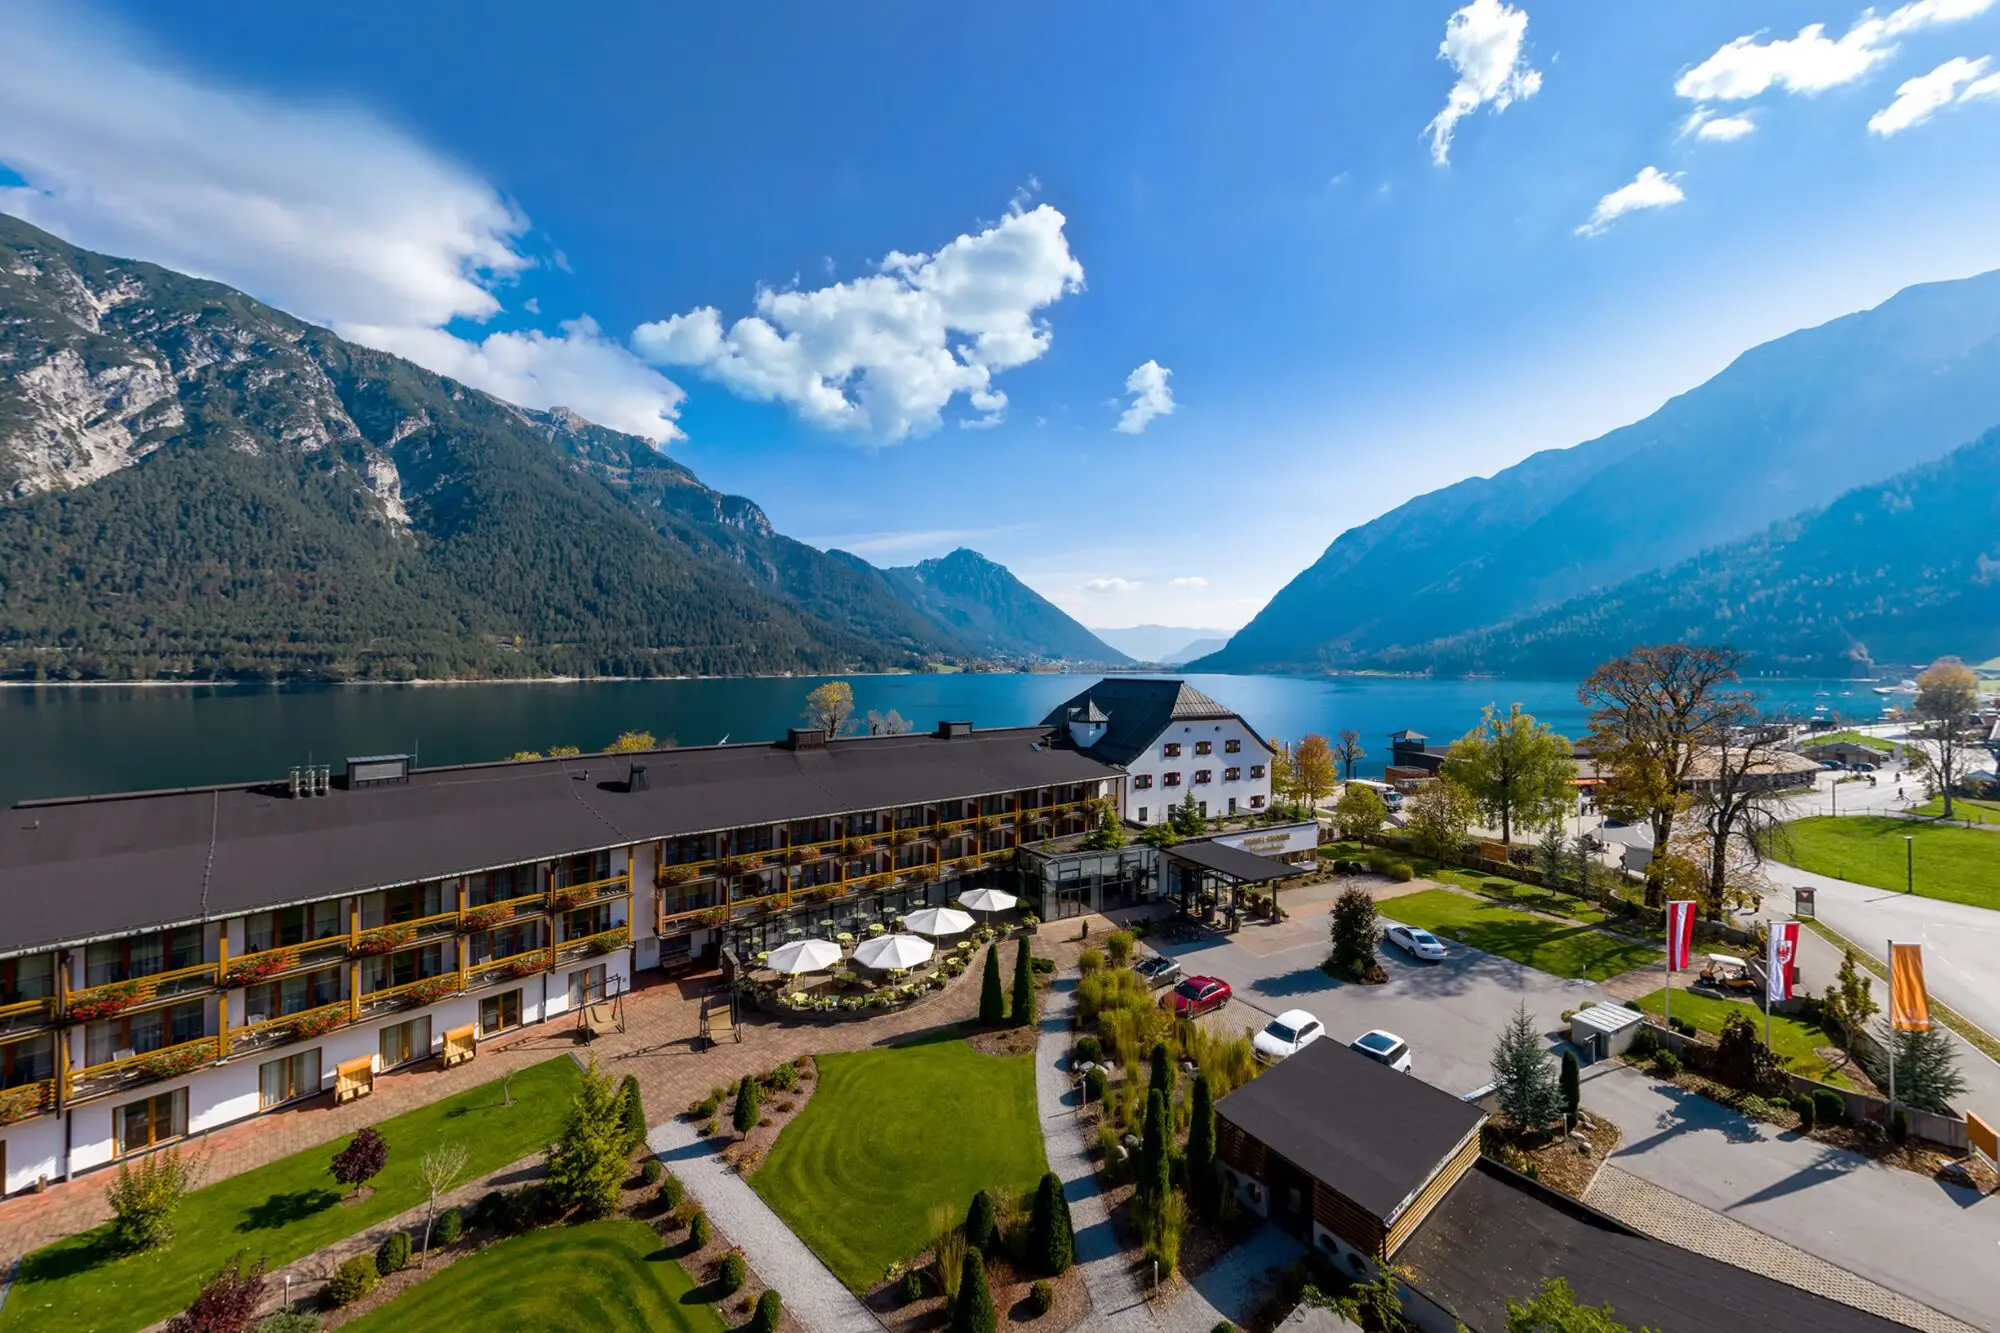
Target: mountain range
193, 484
1547, 564
1168, 645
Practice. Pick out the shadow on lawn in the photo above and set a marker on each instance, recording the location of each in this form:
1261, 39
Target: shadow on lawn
79, 1254
281, 1210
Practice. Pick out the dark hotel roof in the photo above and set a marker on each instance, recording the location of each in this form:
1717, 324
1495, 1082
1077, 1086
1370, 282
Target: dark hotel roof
1136, 710
1233, 862
74, 870
1360, 1128
1497, 1236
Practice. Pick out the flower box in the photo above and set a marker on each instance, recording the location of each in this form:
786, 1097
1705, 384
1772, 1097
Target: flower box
316, 1024
484, 918
674, 876
181, 1060
527, 967
385, 939
616, 938
431, 991
249, 971
19, 1103
712, 916
114, 999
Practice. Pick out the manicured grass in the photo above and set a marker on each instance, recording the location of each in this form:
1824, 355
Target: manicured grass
1553, 946
601, 1277
892, 1133
1960, 865
1514, 892
1962, 807
1852, 737
281, 1211
1790, 1037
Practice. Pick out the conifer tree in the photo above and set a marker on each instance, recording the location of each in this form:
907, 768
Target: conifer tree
1023, 1010
992, 1000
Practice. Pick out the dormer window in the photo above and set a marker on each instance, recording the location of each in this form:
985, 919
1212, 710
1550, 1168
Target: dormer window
1171, 750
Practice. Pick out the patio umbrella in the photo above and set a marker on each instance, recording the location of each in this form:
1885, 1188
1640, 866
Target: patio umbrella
804, 956
987, 900
937, 921
894, 951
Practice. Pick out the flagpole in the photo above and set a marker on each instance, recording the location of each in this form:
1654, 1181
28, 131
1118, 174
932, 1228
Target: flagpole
1892, 1035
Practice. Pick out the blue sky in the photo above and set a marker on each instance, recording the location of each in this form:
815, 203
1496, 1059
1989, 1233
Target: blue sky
974, 233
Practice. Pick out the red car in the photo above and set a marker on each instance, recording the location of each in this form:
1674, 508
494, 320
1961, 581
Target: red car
1197, 996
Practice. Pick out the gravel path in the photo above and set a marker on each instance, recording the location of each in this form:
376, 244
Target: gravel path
810, 1290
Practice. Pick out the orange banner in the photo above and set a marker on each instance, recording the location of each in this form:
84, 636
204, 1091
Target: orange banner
1981, 1136
1909, 1005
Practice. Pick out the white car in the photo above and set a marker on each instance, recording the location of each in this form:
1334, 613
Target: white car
1416, 942
1384, 1048
1287, 1034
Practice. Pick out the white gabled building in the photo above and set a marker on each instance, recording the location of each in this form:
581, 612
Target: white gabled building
1172, 740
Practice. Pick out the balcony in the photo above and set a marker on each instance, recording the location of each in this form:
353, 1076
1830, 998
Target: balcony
304, 1025
26, 1015
116, 997
263, 964
25, 1100
568, 897
589, 946
488, 915
411, 994
512, 967
390, 936
127, 1070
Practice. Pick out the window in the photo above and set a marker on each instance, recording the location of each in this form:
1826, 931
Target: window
411, 1040
586, 921
406, 902
1202, 775
287, 1080
586, 986
1256, 803
30, 978
1256, 771
294, 994
590, 867
1204, 747
136, 1034
141, 955
506, 941
28, 1061
401, 968
499, 1012
1142, 814
1204, 809
143, 1124
1232, 805
1171, 750
1231, 774
292, 925
497, 886
1170, 780
1141, 781
1232, 747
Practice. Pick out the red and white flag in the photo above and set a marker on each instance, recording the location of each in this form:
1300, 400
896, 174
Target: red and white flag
1778, 959
1680, 935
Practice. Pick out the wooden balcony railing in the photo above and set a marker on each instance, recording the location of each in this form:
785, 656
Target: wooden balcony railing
604, 941
116, 997
166, 1062
776, 856
21, 1014
565, 897
23, 1100
262, 964
418, 993
305, 1025
486, 916
513, 965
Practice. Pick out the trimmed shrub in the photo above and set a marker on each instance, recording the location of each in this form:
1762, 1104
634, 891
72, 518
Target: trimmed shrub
651, 1170
1041, 1297
1088, 1050
972, 1312
1095, 1085
1829, 1107
1090, 960
1401, 872
1119, 945
355, 1278
393, 1254
1666, 1064
488, 1212
911, 1286
669, 1194
732, 1273
227, 1302
449, 1226
1802, 1105
1051, 1238
784, 1077
289, 1321
1021, 998
979, 1222
992, 999
1644, 1042
698, 1229
745, 1118
769, 1311
633, 1108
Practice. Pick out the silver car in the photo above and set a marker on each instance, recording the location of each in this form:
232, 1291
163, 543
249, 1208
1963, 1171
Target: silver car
1159, 970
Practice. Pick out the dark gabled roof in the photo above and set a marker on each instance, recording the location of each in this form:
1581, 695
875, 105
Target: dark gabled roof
1407, 735
1239, 865
1497, 1237
1137, 709
1360, 1128
72, 870
1090, 712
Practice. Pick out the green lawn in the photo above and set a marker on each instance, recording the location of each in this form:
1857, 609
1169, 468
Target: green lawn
1553, 946
1852, 737
1790, 1037
891, 1133
1963, 807
282, 1211
1960, 865
601, 1277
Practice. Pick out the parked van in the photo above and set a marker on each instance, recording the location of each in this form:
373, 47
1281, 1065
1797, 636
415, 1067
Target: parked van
1390, 796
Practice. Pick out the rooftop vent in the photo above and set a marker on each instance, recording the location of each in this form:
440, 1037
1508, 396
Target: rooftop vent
377, 770
806, 738
952, 730
635, 779
311, 780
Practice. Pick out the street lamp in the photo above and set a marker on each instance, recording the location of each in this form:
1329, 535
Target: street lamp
1909, 863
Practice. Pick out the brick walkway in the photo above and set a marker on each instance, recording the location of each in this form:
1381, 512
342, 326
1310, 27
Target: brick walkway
1666, 1216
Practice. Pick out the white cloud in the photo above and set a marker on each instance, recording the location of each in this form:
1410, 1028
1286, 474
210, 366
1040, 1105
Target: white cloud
1152, 397
1651, 188
1983, 89
1918, 99
885, 354
1704, 124
1483, 43
1112, 585
1812, 62
1191, 581
323, 211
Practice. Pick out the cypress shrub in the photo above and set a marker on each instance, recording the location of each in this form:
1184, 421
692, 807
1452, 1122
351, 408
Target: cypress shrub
972, 1312
393, 1254
746, 1105
992, 1000
1570, 1081
980, 1222
633, 1108
1201, 1182
1041, 1297
769, 1311
1051, 1241
1160, 1078
449, 1226
698, 1229
733, 1273
668, 1195
1154, 1151
1095, 1085
1023, 1008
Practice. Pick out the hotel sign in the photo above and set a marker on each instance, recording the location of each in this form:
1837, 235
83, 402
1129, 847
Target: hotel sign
1283, 841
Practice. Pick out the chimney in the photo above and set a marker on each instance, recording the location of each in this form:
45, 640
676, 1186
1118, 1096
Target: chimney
947, 731
805, 738
635, 780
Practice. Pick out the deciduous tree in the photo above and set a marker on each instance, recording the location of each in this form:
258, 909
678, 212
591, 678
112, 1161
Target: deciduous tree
830, 706
1284, 774
1440, 815
146, 1195
1359, 812
1348, 751
227, 1302
629, 742
1313, 769
1947, 695
1554, 1310
360, 1161
891, 723
1849, 999
1518, 770
441, 1168
1654, 712
1739, 813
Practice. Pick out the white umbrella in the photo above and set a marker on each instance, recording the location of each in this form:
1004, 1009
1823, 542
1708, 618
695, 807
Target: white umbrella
887, 952
804, 956
937, 921
987, 900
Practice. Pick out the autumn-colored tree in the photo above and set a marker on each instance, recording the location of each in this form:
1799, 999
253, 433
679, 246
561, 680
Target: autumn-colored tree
1518, 770
1348, 751
1284, 777
1654, 713
1739, 814
362, 1159
891, 723
829, 707
1947, 694
629, 742
1313, 769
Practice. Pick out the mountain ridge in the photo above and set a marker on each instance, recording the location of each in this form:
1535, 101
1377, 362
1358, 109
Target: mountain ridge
982, 604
